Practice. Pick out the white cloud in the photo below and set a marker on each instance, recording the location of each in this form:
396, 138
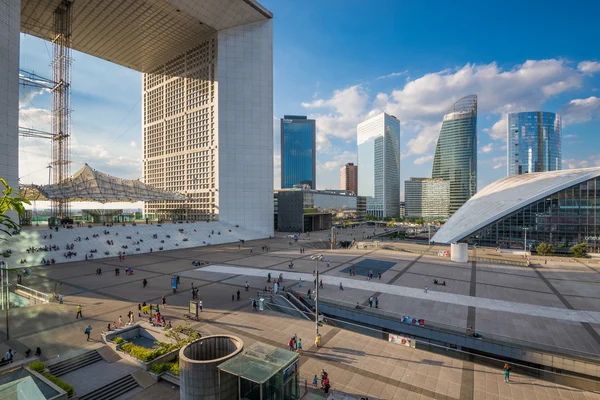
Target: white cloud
488, 148
581, 110
499, 162
392, 75
589, 67
37, 118
347, 108
337, 161
572, 163
423, 159
133, 143
426, 138
569, 136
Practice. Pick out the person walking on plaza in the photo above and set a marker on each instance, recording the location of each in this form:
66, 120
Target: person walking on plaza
200, 305
376, 302
88, 331
321, 284
238, 295
144, 308
164, 301
371, 301
300, 282
506, 373
425, 289
139, 310
341, 286
315, 382
246, 286
291, 344
120, 321
79, 312
299, 346
145, 282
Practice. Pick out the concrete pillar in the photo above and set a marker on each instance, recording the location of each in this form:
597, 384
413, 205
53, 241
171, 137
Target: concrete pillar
10, 26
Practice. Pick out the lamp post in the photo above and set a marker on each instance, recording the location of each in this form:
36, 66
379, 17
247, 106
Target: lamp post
5, 293
317, 259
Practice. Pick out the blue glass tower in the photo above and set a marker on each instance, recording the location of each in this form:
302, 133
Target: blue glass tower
534, 142
298, 158
455, 157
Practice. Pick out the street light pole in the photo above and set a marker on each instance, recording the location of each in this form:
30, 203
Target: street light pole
6, 293
320, 257
525, 245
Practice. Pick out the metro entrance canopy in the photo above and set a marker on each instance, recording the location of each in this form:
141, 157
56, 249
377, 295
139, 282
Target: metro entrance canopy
87, 184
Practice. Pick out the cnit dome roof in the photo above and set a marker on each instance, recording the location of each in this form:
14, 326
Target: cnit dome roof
506, 196
140, 34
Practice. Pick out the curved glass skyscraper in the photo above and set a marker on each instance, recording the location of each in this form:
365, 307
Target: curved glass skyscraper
456, 151
534, 142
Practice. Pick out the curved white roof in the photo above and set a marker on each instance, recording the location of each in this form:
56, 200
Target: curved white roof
506, 196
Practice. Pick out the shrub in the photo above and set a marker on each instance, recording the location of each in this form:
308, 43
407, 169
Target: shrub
37, 366
544, 249
172, 367
61, 384
579, 250
118, 340
144, 354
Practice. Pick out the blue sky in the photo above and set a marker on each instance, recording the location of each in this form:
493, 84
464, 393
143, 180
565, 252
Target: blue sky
341, 61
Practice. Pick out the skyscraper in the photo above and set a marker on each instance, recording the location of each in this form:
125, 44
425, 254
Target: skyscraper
456, 151
349, 178
298, 158
426, 198
378, 140
534, 142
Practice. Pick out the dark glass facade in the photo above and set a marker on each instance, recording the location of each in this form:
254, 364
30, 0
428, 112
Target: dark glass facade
563, 219
455, 157
298, 158
534, 142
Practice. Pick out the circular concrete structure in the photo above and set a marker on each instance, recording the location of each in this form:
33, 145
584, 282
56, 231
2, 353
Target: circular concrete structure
198, 361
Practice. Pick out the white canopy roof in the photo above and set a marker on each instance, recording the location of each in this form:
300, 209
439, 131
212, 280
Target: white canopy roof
87, 184
506, 196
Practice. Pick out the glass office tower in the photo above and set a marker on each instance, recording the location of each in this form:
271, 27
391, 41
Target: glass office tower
298, 158
378, 140
534, 142
456, 151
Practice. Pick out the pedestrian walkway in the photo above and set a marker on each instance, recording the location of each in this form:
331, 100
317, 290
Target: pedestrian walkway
456, 299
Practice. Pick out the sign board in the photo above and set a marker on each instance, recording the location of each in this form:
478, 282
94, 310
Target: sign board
174, 282
194, 308
405, 341
154, 308
289, 372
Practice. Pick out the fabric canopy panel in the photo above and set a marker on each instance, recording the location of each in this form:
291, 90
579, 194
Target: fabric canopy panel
87, 184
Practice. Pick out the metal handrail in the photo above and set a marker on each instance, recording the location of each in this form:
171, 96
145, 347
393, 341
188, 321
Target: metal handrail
34, 293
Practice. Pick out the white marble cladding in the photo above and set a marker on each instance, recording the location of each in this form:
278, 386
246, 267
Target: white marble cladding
245, 126
10, 22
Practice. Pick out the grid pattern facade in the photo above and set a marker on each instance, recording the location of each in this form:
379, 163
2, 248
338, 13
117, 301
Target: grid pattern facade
349, 178
565, 218
534, 142
298, 158
378, 141
180, 121
427, 198
455, 157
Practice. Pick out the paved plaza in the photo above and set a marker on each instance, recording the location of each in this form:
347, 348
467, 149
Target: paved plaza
476, 294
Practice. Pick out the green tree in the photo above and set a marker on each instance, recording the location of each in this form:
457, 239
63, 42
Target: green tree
10, 202
579, 250
390, 224
544, 249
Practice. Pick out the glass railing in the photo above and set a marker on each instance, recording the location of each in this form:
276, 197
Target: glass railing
486, 336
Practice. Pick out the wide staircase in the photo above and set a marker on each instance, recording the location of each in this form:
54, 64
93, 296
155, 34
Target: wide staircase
112, 390
93, 241
74, 363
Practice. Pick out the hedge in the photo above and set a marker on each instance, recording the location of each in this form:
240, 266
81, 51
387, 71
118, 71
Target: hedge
144, 354
37, 366
118, 340
61, 384
172, 367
